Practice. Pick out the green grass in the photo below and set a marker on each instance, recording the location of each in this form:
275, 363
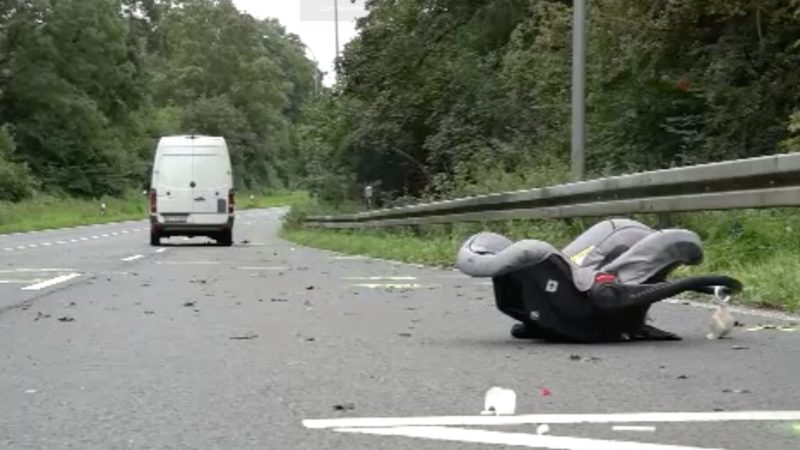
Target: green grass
50, 212
760, 248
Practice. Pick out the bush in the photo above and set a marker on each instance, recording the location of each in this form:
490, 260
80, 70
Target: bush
16, 182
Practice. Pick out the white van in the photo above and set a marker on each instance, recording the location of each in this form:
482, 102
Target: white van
191, 190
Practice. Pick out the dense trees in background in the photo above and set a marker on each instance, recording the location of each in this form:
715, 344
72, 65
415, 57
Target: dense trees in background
448, 97
434, 97
87, 86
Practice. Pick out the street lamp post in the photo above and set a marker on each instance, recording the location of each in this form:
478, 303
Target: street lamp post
336, 24
578, 156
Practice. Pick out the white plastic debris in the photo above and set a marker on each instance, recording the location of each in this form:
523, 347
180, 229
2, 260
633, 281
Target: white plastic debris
721, 322
500, 401
543, 429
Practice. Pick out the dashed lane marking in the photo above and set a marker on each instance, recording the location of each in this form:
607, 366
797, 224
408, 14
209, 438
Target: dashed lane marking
133, 258
67, 241
51, 282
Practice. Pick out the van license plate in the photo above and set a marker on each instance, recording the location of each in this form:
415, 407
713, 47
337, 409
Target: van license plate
175, 219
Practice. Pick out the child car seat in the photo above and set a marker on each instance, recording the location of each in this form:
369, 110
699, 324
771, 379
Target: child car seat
598, 288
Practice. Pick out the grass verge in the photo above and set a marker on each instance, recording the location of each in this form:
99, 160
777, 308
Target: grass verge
50, 212
760, 248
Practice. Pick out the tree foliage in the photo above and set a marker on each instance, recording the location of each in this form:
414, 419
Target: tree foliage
87, 86
464, 96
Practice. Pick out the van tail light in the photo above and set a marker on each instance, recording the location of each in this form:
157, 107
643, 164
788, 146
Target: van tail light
231, 201
153, 201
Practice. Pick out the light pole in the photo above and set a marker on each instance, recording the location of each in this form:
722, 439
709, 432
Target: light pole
336, 24
578, 155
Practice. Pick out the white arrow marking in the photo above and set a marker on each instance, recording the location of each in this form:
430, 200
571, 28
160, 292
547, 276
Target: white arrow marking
674, 417
514, 439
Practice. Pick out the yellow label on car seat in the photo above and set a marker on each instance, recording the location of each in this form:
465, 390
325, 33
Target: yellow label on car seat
580, 256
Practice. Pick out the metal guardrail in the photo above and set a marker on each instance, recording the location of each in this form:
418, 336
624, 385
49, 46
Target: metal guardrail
762, 182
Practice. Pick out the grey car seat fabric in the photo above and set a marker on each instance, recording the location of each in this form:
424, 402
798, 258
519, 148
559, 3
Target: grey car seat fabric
642, 253
598, 287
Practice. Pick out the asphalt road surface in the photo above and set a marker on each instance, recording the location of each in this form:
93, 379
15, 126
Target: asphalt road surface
107, 343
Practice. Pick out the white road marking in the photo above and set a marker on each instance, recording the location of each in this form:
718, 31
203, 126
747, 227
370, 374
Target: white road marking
514, 439
21, 247
20, 281
264, 268
115, 234
61, 242
47, 244
33, 246
8, 249
125, 232
95, 237
161, 250
105, 235
51, 282
658, 417
133, 258
632, 428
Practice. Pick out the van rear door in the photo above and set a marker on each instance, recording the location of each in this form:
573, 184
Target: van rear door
212, 180
174, 179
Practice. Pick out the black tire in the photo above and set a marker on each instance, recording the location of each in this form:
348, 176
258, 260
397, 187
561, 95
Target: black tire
155, 238
225, 238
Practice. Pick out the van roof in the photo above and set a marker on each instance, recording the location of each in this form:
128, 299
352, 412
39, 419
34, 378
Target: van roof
183, 138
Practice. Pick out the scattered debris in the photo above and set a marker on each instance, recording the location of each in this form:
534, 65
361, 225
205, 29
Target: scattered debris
245, 242
735, 391
307, 303
302, 269
344, 407
739, 347
40, 315
149, 313
683, 377
72, 305
545, 392
279, 300
199, 281
738, 324
245, 337
311, 339
499, 401
66, 319
30, 391
584, 359
189, 304
310, 288
404, 334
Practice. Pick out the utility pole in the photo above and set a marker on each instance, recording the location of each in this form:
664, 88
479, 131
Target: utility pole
578, 89
336, 24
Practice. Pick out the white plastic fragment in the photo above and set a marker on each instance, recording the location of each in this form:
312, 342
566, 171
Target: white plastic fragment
543, 429
500, 401
721, 323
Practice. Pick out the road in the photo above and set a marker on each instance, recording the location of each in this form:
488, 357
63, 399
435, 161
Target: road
107, 343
